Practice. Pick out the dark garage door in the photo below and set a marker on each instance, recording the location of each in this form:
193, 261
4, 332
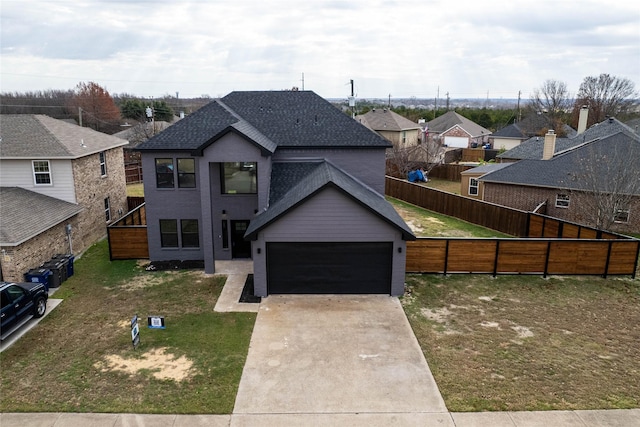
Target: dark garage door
329, 268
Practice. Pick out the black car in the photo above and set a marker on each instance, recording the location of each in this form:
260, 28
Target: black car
21, 302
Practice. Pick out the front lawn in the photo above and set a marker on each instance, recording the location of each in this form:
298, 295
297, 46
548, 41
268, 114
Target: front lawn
80, 357
520, 343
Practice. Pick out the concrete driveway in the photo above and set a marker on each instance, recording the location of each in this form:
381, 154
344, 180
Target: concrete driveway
315, 354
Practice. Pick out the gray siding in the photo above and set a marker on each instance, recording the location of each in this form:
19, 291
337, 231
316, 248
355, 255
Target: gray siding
367, 165
169, 203
230, 148
330, 216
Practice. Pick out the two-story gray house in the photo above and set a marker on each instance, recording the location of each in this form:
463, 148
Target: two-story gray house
283, 178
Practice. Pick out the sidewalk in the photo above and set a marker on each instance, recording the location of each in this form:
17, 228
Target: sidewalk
610, 418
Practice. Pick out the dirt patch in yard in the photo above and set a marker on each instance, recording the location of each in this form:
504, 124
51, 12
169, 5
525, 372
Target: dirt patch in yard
162, 365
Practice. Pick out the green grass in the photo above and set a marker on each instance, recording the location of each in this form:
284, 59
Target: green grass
135, 190
61, 364
521, 343
425, 223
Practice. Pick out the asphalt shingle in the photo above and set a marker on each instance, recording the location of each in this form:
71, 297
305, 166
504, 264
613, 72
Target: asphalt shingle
25, 214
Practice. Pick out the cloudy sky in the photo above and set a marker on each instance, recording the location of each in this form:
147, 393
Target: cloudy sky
469, 48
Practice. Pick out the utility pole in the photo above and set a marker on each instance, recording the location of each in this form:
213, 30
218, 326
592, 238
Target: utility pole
447, 101
80, 116
389, 101
302, 81
435, 108
519, 111
352, 101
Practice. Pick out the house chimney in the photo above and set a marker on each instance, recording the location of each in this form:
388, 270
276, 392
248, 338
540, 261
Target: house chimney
549, 145
582, 119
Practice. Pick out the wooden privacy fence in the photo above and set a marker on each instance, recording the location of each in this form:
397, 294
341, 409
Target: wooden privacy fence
549, 246
523, 256
128, 236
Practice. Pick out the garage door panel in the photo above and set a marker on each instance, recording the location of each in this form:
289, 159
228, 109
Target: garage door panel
329, 268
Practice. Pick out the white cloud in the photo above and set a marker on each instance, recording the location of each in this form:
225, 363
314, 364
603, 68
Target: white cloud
403, 48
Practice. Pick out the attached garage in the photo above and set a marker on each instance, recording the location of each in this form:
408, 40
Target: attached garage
329, 268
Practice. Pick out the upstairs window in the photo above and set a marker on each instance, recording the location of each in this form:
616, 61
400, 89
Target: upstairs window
473, 187
164, 173
239, 177
103, 164
186, 173
41, 172
562, 201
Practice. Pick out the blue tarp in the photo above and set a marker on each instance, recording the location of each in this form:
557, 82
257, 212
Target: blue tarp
416, 175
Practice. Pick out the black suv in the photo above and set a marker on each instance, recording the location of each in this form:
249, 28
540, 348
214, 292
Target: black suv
21, 301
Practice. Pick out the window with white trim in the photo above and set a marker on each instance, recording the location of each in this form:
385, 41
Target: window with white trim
41, 172
562, 201
103, 163
473, 186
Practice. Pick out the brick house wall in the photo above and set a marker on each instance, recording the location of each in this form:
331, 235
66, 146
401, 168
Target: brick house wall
528, 198
91, 190
17, 260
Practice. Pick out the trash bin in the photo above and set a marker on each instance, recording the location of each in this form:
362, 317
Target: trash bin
40, 275
59, 271
68, 260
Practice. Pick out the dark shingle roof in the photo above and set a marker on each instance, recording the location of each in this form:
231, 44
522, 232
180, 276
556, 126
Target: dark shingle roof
532, 148
386, 120
271, 119
25, 214
321, 175
565, 169
37, 136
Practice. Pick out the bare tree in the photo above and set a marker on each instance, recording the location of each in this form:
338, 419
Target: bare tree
402, 160
552, 97
608, 182
605, 95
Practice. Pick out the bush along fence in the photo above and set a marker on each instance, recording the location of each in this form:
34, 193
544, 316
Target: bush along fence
543, 245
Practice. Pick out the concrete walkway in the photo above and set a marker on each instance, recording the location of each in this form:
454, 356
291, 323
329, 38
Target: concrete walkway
330, 360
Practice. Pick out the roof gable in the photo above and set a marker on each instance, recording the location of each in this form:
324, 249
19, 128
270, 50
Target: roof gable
386, 120
450, 119
321, 175
38, 136
269, 119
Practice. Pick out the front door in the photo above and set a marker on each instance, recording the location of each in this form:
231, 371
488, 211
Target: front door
240, 248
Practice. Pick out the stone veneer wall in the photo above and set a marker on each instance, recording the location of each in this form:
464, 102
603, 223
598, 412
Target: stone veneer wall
17, 260
92, 189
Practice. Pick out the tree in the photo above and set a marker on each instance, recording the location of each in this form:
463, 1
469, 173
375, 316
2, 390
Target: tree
401, 160
553, 98
136, 109
605, 95
94, 106
608, 181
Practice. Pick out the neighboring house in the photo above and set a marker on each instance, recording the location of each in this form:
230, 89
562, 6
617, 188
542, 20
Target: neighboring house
393, 127
597, 177
135, 135
453, 130
533, 147
530, 127
55, 174
283, 178
470, 184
